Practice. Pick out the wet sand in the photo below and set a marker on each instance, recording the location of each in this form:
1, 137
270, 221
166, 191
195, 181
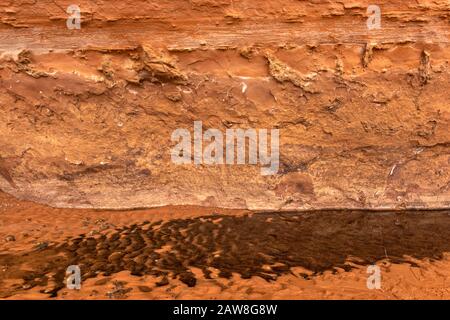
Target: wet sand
208, 253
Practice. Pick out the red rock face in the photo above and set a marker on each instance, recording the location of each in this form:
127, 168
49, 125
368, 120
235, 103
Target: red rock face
87, 115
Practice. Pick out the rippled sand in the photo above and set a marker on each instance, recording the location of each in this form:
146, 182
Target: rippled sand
200, 253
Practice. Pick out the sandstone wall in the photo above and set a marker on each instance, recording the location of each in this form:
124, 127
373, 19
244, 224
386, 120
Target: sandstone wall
86, 116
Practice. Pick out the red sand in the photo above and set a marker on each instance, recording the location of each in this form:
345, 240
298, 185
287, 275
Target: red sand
425, 277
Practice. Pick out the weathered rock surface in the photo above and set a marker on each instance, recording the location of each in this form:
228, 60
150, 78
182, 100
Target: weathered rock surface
86, 116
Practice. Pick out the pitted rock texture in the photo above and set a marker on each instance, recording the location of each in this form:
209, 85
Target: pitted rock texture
86, 116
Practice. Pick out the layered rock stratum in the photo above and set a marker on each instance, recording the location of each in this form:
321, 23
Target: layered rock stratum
86, 115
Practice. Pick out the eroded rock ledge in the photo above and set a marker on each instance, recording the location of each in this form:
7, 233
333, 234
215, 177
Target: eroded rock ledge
86, 115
